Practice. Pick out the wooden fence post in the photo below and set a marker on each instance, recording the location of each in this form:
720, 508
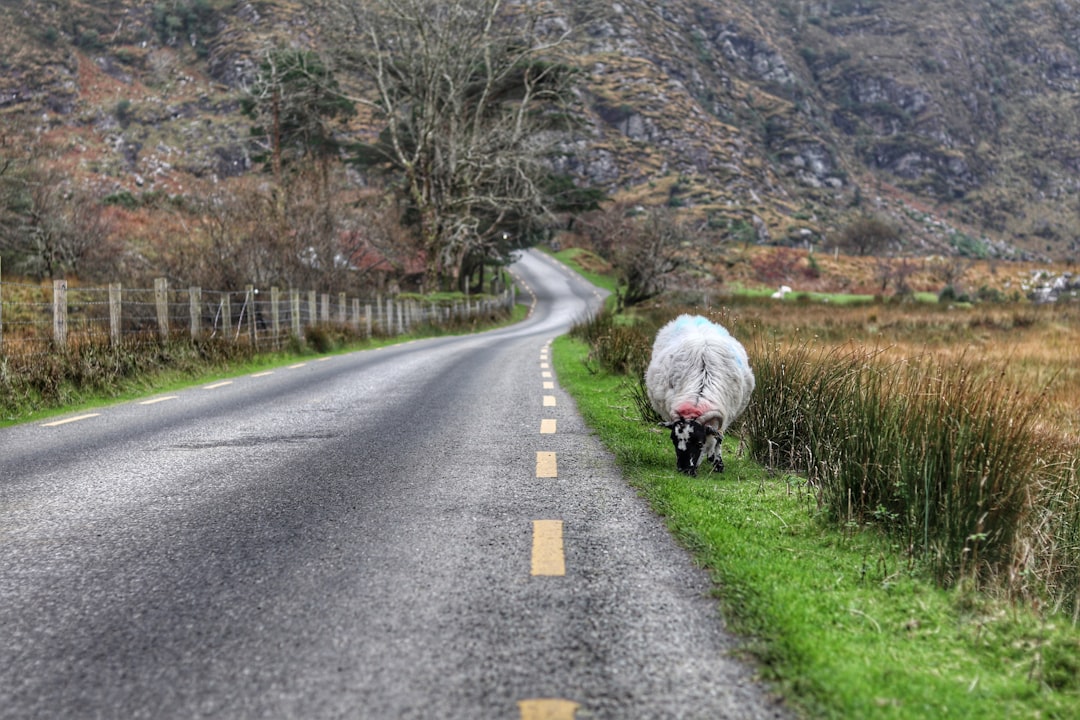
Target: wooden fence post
367, 319
294, 307
356, 314
313, 309
60, 312
161, 301
115, 305
1, 310
342, 305
275, 313
250, 302
324, 310
195, 310
226, 316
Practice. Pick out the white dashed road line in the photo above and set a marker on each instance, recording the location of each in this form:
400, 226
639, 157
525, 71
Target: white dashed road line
65, 421
155, 401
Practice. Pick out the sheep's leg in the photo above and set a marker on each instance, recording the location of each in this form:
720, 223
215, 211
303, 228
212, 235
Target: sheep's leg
712, 451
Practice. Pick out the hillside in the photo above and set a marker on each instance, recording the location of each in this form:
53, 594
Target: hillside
781, 119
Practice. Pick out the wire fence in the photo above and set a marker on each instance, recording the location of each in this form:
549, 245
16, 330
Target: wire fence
45, 318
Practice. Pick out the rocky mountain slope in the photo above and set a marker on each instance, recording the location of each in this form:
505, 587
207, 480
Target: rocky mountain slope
771, 120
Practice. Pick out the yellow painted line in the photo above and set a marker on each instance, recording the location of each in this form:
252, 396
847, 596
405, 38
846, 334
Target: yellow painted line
547, 426
297, 365
324, 359
546, 374
549, 401
549, 385
70, 420
548, 709
264, 373
155, 401
215, 386
544, 366
547, 548
546, 466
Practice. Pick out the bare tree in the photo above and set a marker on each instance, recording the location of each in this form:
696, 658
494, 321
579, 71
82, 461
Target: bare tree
471, 97
50, 227
642, 246
897, 272
950, 271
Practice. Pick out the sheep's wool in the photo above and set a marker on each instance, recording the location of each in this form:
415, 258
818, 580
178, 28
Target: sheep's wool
698, 371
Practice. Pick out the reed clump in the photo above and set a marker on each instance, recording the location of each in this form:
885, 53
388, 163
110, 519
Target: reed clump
946, 458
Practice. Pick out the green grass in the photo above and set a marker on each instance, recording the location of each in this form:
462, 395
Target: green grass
839, 618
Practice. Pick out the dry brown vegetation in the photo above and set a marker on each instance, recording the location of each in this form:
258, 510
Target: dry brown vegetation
1034, 347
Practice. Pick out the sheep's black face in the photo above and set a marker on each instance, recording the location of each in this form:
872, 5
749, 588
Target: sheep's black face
688, 437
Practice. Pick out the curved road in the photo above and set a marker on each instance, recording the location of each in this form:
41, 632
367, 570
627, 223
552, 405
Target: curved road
383, 534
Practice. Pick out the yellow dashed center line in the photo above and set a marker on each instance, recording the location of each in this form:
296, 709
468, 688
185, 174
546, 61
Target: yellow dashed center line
545, 374
549, 401
297, 365
154, 401
70, 420
263, 373
547, 426
547, 548
546, 465
544, 366
548, 709
215, 386
549, 386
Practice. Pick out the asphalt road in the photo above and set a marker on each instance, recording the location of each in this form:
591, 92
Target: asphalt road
353, 538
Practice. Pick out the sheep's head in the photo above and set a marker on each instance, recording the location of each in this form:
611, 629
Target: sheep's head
688, 437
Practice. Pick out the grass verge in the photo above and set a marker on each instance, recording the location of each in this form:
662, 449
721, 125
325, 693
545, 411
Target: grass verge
98, 375
840, 619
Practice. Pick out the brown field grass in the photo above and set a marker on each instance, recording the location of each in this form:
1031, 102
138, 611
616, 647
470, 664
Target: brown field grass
1035, 348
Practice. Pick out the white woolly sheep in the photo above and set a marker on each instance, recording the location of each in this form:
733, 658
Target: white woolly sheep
699, 380
779, 294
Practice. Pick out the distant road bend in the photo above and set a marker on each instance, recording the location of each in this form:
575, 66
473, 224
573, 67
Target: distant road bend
422, 531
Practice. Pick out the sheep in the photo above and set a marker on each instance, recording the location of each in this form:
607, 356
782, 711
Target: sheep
699, 380
779, 294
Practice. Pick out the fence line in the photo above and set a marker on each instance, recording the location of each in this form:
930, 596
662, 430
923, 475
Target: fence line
44, 318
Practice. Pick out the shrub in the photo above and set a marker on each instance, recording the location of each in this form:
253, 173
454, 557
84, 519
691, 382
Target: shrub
318, 338
619, 349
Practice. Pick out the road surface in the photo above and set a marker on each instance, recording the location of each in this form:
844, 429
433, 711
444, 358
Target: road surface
422, 531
